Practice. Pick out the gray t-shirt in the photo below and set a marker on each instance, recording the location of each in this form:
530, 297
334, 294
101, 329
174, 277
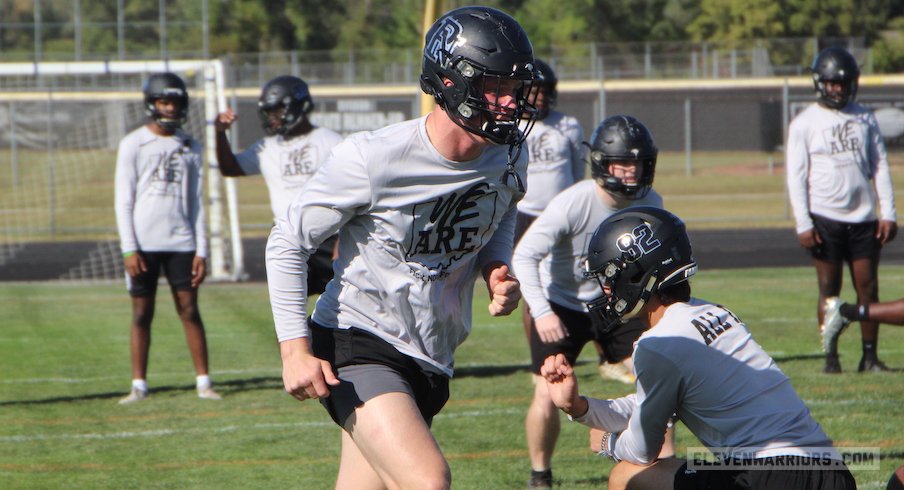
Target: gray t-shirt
556, 160
287, 164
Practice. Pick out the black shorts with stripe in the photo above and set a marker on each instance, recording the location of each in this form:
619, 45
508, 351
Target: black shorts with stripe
368, 366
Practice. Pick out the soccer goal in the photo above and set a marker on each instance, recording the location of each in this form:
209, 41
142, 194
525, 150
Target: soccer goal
60, 125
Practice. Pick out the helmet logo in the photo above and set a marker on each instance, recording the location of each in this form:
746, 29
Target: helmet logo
637, 243
446, 39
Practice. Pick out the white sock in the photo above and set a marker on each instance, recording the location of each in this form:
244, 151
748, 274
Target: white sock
140, 385
202, 382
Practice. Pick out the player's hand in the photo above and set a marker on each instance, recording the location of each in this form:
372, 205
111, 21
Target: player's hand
550, 329
134, 264
224, 120
886, 231
198, 271
563, 386
305, 376
809, 238
505, 290
596, 440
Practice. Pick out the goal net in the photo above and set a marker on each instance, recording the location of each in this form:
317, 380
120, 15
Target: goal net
60, 126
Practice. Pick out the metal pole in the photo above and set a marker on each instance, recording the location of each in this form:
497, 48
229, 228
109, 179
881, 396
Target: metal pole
206, 27
786, 117
688, 166
51, 171
13, 144
120, 30
37, 19
77, 20
162, 22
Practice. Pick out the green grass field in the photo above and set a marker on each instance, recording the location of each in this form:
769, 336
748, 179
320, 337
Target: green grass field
64, 363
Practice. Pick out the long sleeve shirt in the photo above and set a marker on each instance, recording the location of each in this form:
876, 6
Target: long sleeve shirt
549, 258
415, 230
701, 362
159, 193
837, 167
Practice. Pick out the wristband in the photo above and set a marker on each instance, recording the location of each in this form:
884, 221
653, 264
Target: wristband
607, 446
126, 255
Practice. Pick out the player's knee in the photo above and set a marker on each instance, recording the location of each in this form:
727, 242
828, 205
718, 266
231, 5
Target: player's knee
432, 477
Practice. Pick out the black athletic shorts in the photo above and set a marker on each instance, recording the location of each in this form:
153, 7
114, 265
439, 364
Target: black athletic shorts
845, 241
320, 266
617, 343
176, 266
522, 223
368, 366
769, 474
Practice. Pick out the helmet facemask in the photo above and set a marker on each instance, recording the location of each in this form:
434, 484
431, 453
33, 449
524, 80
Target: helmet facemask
838, 66
623, 140
601, 170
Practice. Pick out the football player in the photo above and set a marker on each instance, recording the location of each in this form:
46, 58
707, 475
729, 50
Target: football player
837, 170
695, 359
422, 209
549, 263
287, 156
159, 197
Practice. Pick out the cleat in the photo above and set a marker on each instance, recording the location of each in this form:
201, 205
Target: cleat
618, 371
540, 479
209, 394
135, 395
833, 366
872, 366
834, 324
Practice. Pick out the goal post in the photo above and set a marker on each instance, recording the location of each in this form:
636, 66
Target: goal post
60, 126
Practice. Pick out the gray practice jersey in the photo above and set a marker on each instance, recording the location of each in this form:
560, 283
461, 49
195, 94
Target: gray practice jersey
701, 362
414, 228
287, 164
159, 193
832, 156
549, 259
556, 160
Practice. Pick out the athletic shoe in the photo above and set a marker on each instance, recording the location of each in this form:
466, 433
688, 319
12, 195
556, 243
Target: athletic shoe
833, 324
540, 479
135, 395
209, 394
872, 365
618, 371
833, 366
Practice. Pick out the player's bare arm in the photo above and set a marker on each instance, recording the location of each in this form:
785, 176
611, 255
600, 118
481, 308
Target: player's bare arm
134, 264
229, 166
305, 376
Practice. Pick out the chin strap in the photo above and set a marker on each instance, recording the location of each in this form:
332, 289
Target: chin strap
514, 151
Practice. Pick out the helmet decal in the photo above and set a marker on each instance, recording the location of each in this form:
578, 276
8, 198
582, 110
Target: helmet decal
637, 243
445, 40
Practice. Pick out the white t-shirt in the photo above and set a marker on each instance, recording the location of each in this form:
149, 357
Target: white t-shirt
833, 159
701, 362
287, 164
549, 258
159, 193
415, 229
556, 160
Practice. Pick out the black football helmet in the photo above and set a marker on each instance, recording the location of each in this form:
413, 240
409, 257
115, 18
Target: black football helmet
289, 94
471, 47
621, 138
166, 86
634, 253
835, 65
548, 83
